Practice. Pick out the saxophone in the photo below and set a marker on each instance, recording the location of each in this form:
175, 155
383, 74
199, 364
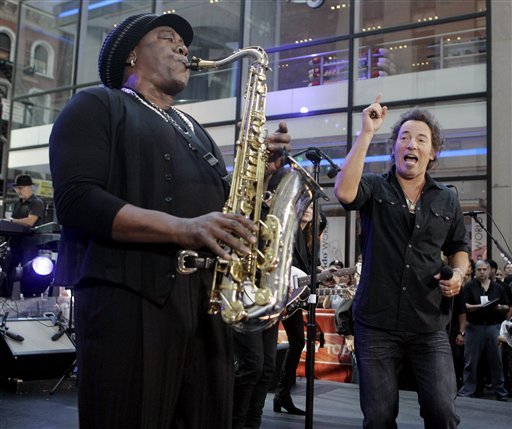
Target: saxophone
251, 291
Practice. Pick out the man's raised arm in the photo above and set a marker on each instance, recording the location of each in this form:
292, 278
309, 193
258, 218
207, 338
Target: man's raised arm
349, 177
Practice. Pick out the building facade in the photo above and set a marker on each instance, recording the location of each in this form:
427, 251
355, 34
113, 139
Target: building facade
329, 59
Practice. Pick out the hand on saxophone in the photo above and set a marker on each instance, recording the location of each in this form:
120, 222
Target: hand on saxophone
279, 143
215, 230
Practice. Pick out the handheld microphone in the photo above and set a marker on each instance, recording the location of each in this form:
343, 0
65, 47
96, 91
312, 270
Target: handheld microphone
473, 213
15, 337
58, 334
446, 272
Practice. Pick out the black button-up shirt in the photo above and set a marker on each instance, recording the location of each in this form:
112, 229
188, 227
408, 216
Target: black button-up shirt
402, 253
485, 315
32, 205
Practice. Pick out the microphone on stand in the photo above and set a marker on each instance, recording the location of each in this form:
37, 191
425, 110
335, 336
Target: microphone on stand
333, 172
473, 213
315, 155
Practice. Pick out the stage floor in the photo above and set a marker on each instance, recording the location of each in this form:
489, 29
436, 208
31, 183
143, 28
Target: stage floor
336, 405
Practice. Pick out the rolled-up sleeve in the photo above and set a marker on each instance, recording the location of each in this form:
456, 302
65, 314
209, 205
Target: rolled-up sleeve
364, 193
456, 239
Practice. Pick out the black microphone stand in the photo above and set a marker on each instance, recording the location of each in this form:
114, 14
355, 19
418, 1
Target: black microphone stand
315, 156
504, 254
69, 330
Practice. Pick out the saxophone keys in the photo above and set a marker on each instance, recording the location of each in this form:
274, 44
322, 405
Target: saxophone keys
233, 313
263, 296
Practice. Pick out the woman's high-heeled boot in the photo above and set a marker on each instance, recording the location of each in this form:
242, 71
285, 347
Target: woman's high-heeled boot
288, 405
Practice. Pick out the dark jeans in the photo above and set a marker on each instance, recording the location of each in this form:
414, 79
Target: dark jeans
379, 354
255, 361
294, 327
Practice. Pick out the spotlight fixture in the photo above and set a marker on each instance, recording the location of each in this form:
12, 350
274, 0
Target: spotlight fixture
37, 274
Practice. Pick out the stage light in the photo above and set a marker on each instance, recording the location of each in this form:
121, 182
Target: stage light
42, 265
37, 274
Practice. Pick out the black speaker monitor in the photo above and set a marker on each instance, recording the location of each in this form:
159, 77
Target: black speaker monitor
37, 357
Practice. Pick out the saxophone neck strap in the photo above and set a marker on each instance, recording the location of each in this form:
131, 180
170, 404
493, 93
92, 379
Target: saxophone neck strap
196, 145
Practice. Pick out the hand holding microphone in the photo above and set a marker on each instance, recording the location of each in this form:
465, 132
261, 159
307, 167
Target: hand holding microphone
445, 275
446, 272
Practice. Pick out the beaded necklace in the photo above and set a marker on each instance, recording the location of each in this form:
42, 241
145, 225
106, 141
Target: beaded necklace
162, 113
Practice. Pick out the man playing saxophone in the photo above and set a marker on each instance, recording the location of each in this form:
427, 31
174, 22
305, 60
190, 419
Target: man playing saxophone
135, 182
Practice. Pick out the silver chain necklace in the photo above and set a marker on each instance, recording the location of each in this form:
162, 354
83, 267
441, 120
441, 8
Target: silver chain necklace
411, 205
162, 113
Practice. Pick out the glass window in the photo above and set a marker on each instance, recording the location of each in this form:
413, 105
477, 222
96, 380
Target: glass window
294, 22
5, 46
378, 14
38, 109
463, 126
434, 58
40, 59
211, 84
325, 132
101, 17
41, 28
308, 66
216, 35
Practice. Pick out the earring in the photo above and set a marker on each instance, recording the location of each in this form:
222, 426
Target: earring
132, 63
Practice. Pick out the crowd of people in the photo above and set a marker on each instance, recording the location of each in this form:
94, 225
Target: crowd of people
132, 190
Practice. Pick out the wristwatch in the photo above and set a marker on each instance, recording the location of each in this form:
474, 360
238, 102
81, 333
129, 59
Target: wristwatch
462, 333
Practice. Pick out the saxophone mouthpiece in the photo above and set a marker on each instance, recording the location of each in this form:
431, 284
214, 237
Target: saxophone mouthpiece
193, 64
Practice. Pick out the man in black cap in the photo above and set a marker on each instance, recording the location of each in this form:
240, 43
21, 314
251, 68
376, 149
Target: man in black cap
133, 189
28, 211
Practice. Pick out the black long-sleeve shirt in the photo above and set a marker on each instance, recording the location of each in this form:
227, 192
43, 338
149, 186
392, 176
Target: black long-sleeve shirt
402, 253
108, 150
